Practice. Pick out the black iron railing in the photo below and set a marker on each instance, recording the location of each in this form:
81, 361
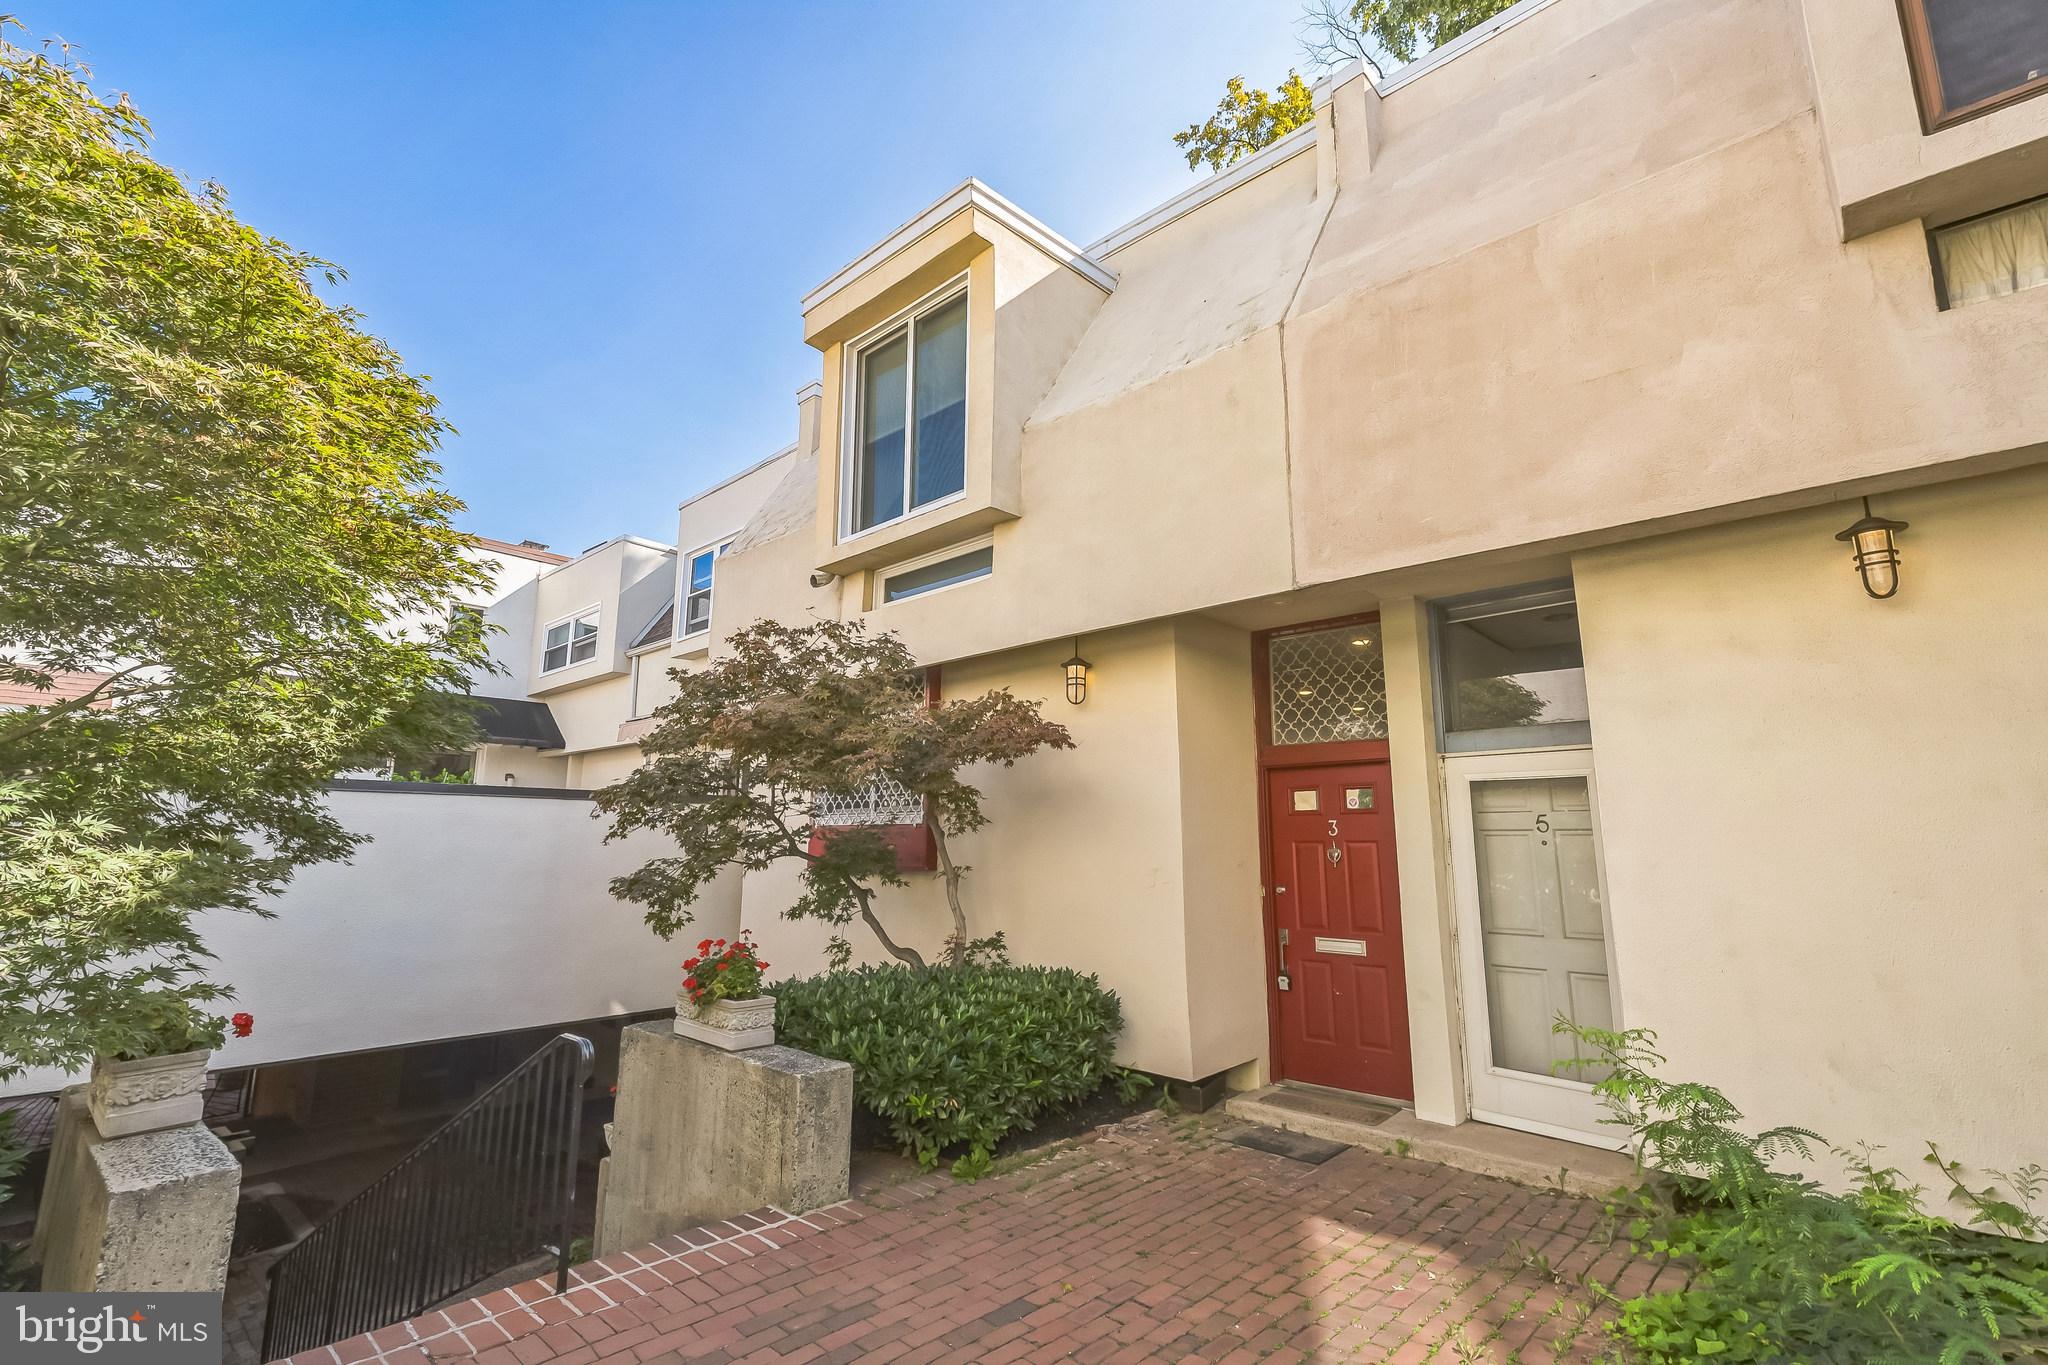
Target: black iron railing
492, 1187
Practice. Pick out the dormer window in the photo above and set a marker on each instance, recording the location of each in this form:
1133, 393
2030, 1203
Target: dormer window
909, 448
573, 641
697, 595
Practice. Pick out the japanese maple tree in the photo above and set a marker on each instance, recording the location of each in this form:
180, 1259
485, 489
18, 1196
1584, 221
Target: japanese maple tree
788, 714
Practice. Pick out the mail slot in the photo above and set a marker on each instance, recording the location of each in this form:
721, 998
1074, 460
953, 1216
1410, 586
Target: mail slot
1346, 947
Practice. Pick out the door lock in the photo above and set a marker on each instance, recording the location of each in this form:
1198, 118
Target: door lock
1282, 981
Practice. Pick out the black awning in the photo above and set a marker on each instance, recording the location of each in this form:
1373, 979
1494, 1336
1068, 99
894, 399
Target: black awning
511, 720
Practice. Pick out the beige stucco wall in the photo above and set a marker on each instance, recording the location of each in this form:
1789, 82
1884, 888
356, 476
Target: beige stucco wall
1580, 295
1133, 855
498, 765
1885, 169
1822, 816
627, 580
719, 512
1421, 853
602, 767
589, 716
1603, 323
1221, 897
1588, 285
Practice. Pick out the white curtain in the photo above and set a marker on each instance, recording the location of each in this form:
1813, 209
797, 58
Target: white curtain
2001, 254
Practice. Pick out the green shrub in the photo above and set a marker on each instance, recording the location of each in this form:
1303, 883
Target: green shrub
957, 1055
14, 1265
1784, 1270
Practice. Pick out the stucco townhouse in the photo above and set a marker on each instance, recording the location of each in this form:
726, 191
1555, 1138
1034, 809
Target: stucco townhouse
1441, 518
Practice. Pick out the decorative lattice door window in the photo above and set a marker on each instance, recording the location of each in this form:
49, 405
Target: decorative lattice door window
884, 801
885, 806
1327, 685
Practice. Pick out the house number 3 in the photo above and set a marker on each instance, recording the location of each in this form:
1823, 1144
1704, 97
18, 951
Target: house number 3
1335, 854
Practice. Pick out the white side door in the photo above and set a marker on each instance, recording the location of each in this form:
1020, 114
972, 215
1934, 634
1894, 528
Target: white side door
1532, 936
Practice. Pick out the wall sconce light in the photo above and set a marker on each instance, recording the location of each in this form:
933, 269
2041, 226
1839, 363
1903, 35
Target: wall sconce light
1876, 552
1077, 675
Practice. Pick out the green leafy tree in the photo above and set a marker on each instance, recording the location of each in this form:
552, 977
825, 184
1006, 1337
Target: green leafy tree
739, 757
216, 491
1382, 33
1245, 120
1496, 703
1386, 33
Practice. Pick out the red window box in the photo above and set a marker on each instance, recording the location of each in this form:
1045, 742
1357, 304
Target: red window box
916, 850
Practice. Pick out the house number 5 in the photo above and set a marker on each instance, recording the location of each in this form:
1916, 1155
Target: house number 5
1543, 824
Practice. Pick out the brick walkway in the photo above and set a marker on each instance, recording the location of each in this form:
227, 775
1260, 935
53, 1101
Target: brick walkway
1155, 1239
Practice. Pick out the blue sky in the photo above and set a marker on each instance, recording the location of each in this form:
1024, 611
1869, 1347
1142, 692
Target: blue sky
591, 224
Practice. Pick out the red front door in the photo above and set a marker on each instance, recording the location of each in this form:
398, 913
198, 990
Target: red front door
1343, 1008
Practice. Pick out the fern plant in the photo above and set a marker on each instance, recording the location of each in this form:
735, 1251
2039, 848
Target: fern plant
1786, 1270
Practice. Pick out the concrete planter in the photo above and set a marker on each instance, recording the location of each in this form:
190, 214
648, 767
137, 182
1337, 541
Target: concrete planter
733, 1025
147, 1094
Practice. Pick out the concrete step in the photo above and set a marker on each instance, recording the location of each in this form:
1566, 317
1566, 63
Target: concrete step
1505, 1153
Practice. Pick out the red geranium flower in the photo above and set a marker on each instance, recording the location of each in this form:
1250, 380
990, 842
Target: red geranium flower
705, 946
244, 1025
691, 982
723, 966
689, 965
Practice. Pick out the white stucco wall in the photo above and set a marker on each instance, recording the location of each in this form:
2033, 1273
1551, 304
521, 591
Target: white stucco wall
468, 914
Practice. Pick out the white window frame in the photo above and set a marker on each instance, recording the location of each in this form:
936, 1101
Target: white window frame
965, 547
850, 386
716, 549
638, 679
595, 614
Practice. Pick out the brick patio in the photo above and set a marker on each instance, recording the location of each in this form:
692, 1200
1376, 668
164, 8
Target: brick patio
1154, 1239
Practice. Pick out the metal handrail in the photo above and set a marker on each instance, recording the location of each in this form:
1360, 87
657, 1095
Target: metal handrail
484, 1191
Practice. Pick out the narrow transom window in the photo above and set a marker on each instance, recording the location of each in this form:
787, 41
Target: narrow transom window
1971, 56
963, 568
570, 642
1999, 253
1510, 672
697, 594
1328, 685
911, 446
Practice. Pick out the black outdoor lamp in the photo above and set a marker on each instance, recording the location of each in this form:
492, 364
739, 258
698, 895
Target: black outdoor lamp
1077, 675
1876, 552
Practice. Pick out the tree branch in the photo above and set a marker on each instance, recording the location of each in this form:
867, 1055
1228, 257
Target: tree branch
956, 950
861, 896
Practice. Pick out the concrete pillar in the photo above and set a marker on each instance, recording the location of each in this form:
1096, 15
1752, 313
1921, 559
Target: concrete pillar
151, 1211
702, 1133
1422, 853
